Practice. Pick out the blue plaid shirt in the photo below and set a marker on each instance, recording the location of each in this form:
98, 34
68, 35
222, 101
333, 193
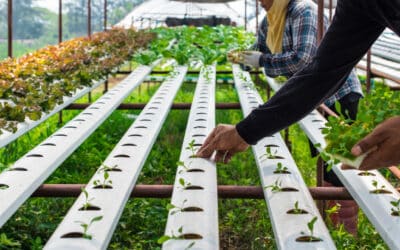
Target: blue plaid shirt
299, 46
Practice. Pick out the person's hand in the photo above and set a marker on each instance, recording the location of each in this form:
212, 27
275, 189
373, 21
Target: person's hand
225, 140
383, 143
250, 58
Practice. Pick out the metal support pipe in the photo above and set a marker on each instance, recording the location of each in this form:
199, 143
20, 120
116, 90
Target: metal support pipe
245, 14
60, 21
368, 78
257, 16
89, 24
10, 28
165, 191
105, 15
320, 31
80, 106
320, 180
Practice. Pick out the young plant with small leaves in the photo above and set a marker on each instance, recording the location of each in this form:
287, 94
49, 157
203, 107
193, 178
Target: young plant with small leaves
87, 203
276, 187
396, 207
184, 184
280, 169
269, 154
106, 182
85, 227
176, 209
192, 147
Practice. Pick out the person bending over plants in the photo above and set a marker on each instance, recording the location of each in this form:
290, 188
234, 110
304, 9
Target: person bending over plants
354, 28
286, 42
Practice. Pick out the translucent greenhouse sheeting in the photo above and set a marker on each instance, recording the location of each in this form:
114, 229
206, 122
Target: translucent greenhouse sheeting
153, 13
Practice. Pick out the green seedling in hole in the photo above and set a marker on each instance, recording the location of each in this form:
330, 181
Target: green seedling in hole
87, 199
281, 169
268, 154
181, 163
297, 209
106, 181
377, 190
85, 226
192, 148
176, 208
165, 238
105, 168
184, 184
333, 210
310, 226
396, 207
276, 187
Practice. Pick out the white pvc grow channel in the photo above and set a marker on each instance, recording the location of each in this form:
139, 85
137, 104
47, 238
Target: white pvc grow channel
125, 163
288, 223
377, 207
29, 172
195, 189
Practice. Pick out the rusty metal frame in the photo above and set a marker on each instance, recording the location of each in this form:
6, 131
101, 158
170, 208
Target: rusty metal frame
165, 191
10, 28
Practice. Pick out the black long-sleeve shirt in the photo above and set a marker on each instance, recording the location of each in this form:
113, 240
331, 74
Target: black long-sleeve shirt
356, 25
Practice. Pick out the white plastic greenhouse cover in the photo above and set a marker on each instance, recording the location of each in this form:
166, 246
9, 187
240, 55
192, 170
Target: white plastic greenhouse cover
153, 13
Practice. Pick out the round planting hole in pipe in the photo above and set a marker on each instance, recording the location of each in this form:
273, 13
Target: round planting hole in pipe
200, 120
366, 173
191, 236
90, 207
153, 108
122, 156
34, 155
199, 135
61, 135
395, 213
201, 113
135, 135
128, 145
48, 144
79, 120
103, 187
93, 108
380, 191
199, 127
308, 238
149, 113
192, 209
297, 211
194, 187
281, 172
18, 169
195, 170
72, 235
145, 120
289, 189
3, 186
73, 127
271, 146
273, 157
87, 114
142, 127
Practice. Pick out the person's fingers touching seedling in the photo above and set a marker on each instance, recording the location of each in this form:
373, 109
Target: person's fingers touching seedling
382, 145
225, 141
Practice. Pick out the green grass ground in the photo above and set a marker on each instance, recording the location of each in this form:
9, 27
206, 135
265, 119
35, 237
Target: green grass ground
244, 223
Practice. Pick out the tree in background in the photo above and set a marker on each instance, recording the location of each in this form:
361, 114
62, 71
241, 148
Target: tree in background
28, 21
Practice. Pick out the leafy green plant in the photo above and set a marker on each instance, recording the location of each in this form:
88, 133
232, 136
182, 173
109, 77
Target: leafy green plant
85, 227
377, 189
182, 164
105, 168
165, 238
269, 154
105, 183
184, 184
396, 207
297, 209
192, 147
342, 134
175, 208
87, 203
280, 169
276, 187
